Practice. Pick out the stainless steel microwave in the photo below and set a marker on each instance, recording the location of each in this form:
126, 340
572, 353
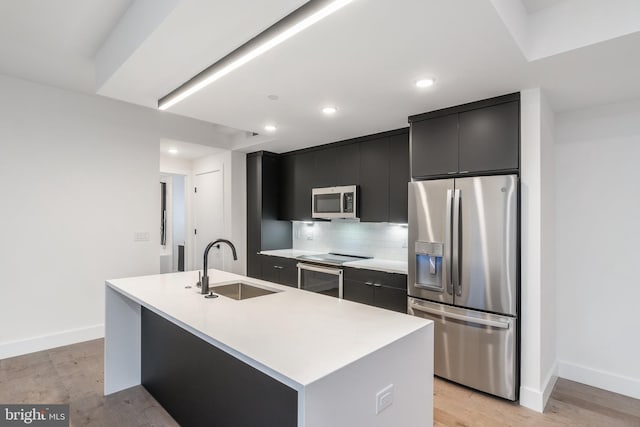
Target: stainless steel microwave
334, 202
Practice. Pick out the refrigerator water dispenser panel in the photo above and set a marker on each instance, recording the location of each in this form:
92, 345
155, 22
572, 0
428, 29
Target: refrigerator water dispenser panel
429, 265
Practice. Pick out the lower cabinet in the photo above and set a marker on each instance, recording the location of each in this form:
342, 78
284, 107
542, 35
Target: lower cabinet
279, 270
377, 288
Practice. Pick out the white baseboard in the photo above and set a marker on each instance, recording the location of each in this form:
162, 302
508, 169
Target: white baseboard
532, 399
46, 342
549, 384
537, 399
605, 380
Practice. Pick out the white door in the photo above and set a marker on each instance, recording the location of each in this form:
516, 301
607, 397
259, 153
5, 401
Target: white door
208, 217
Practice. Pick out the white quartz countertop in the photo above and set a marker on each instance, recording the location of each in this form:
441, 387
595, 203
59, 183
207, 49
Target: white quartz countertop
289, 253
389, 266
296, 335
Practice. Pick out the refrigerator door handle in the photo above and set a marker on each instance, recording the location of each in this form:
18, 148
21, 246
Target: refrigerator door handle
468, 319
455, 267
446, 276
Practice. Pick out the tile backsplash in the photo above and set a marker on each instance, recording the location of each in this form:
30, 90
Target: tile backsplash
378, 240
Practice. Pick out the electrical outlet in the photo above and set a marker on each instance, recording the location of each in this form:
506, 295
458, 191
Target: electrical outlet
384, 398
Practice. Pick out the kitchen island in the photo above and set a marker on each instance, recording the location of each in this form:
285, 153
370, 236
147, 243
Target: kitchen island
291, 357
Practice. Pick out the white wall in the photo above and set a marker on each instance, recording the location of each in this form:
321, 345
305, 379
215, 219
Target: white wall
78, 177
598, 230
537, 314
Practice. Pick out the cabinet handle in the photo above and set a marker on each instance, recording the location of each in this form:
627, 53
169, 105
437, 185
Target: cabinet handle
278, 267
368, 283
463, 172
451, 173
377, 285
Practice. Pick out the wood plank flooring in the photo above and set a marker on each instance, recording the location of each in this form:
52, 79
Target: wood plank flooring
74, 375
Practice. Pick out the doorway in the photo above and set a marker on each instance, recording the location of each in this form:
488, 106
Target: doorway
173, 224
208, 216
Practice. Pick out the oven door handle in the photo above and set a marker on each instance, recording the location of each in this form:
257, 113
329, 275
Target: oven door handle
334, 271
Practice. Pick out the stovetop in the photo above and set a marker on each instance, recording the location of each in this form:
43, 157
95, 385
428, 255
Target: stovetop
332, 258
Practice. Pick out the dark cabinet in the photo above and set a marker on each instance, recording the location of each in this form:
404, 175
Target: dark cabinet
489, 138
399, 177
374, 181
335, 166
434, 146
380, 289
479, 137
264, 230
378, 164
297, 179
279, 270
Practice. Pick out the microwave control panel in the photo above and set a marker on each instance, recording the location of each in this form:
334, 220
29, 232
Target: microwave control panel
347, 202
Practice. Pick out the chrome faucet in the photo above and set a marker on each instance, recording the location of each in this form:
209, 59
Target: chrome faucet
204, 284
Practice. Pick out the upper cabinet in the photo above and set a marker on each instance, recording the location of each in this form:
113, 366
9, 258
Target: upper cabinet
399, 177
296, 181
335, 166
374, 180
435, 146
378, 164
480, 137
489, 138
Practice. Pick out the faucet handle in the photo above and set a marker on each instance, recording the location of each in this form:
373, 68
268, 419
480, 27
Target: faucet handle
199, 284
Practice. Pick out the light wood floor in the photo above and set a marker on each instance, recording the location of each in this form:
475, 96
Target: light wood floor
73, 374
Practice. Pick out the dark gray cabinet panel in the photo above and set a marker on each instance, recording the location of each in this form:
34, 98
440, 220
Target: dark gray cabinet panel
264, 230
399, 177
390, 298
380, 289
434, 146
336, 166
370, 162
356, 291
279, 270
201, 385
489, 138
374, 180
254, 215
297, 179
479, 137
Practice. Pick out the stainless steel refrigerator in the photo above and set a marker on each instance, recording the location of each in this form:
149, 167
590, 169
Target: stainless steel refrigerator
463, 275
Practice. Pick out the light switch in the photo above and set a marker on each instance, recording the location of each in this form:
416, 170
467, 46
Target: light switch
141, 236
384, 398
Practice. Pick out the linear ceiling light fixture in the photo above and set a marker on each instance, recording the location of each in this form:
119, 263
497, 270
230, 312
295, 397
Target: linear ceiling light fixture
303, 17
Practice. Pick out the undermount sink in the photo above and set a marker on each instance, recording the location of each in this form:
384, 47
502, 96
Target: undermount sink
240, 290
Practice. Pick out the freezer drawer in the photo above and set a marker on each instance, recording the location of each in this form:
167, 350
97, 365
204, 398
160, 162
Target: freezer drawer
472, 348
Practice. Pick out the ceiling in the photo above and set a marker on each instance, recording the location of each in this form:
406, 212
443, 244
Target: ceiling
364, 59
186, 150
533, 6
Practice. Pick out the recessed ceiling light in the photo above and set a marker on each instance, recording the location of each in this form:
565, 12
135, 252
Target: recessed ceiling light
173, 151
270, 128
425, 82
329, 110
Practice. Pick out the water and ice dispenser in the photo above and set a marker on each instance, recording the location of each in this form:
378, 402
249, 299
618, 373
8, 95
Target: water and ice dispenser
429, 257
